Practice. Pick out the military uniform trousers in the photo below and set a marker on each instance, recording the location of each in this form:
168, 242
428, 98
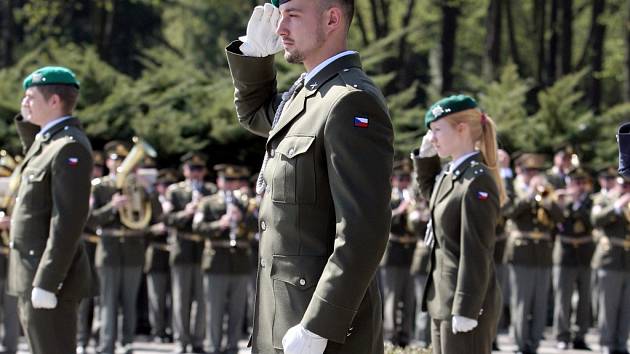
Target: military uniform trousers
614, 308
10, 321
119, 286
225, 291
503, 277
422, 330
157, 289
188, 303
477, 341
87, 306
43, 330
397, 304
530, 287
565, 280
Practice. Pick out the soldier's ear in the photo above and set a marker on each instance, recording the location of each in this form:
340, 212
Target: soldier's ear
334, 18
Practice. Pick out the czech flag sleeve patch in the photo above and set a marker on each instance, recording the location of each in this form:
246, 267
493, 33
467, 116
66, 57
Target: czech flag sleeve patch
360, 122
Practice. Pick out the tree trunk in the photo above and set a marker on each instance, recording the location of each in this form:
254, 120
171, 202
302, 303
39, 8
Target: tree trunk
7, 37
385, 17
492, 60
596, 59
516, 58
361, 24
450, 13
539, 30
376, 20
404, 74
566, 42
553, 43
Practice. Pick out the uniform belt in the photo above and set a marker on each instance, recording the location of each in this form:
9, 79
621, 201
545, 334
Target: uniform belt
532, 235
403, 239
90, 238
229, 244
161, 246
122, 233
623, 243
188, 236
575, 241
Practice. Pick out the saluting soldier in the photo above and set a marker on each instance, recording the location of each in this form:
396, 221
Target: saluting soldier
223, 219
396, 263
90, 241
564, 161
417, 221
611, 216
157, 266
187, 247
120, 252
532, 215
572, 255
461, 295
325, 180
49, 270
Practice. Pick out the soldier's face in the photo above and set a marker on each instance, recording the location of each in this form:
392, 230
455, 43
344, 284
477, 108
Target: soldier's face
302, 30
35, 108
445, 138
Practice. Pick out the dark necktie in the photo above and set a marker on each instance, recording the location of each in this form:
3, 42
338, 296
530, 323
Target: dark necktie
261, 184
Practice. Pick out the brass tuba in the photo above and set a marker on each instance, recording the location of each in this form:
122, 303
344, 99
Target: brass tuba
136, 215
8, 168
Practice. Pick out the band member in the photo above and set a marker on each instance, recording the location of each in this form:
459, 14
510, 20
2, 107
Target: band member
462, 295
611, 216
224, 220
185, 261
532, 215
49, 270
325, 181
396, 263
572, 255
417, 221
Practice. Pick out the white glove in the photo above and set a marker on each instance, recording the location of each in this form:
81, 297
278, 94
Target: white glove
463, 324
261, 39
426, 148
43, 299
299, 340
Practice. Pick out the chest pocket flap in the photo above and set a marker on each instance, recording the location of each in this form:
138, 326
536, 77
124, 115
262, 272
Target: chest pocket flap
292, 146
294, 171
33, 175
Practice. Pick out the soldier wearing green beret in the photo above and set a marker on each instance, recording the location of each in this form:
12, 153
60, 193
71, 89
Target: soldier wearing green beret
48, 266
187, 247
462, 295
324, 182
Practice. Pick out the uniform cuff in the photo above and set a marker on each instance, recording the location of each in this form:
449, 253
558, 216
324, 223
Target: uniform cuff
244, 67
327, 320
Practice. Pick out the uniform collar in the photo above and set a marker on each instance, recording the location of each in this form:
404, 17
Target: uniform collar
329, 68
461, 164
56, 125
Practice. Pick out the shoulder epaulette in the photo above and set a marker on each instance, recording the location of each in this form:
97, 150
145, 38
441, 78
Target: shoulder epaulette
96, 181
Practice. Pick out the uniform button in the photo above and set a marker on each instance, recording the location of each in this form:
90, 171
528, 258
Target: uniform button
262, 263
31, 177
31, 253
272, 153
291, 151
302, 281
263, 225
11, 244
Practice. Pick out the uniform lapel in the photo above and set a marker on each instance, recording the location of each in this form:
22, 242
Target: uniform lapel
297, 105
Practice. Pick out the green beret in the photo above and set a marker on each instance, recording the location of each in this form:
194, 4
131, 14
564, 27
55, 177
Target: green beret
51, 75
277, 3
448, 105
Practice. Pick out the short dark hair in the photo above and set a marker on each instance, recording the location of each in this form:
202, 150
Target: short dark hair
68, 94
346, 5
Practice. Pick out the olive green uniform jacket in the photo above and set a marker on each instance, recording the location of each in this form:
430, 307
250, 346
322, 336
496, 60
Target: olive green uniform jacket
50, 211
465, 208
610, 253
185, 250
324, 219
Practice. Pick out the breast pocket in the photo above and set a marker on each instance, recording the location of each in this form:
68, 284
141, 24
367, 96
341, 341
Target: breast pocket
294, 172
294, 279
33, 188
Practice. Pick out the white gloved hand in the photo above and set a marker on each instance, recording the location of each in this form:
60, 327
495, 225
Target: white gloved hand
463, 324
299, 340
43, 299
261, 39
426, 148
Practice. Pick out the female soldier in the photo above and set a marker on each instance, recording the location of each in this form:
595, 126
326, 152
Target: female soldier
461, 294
